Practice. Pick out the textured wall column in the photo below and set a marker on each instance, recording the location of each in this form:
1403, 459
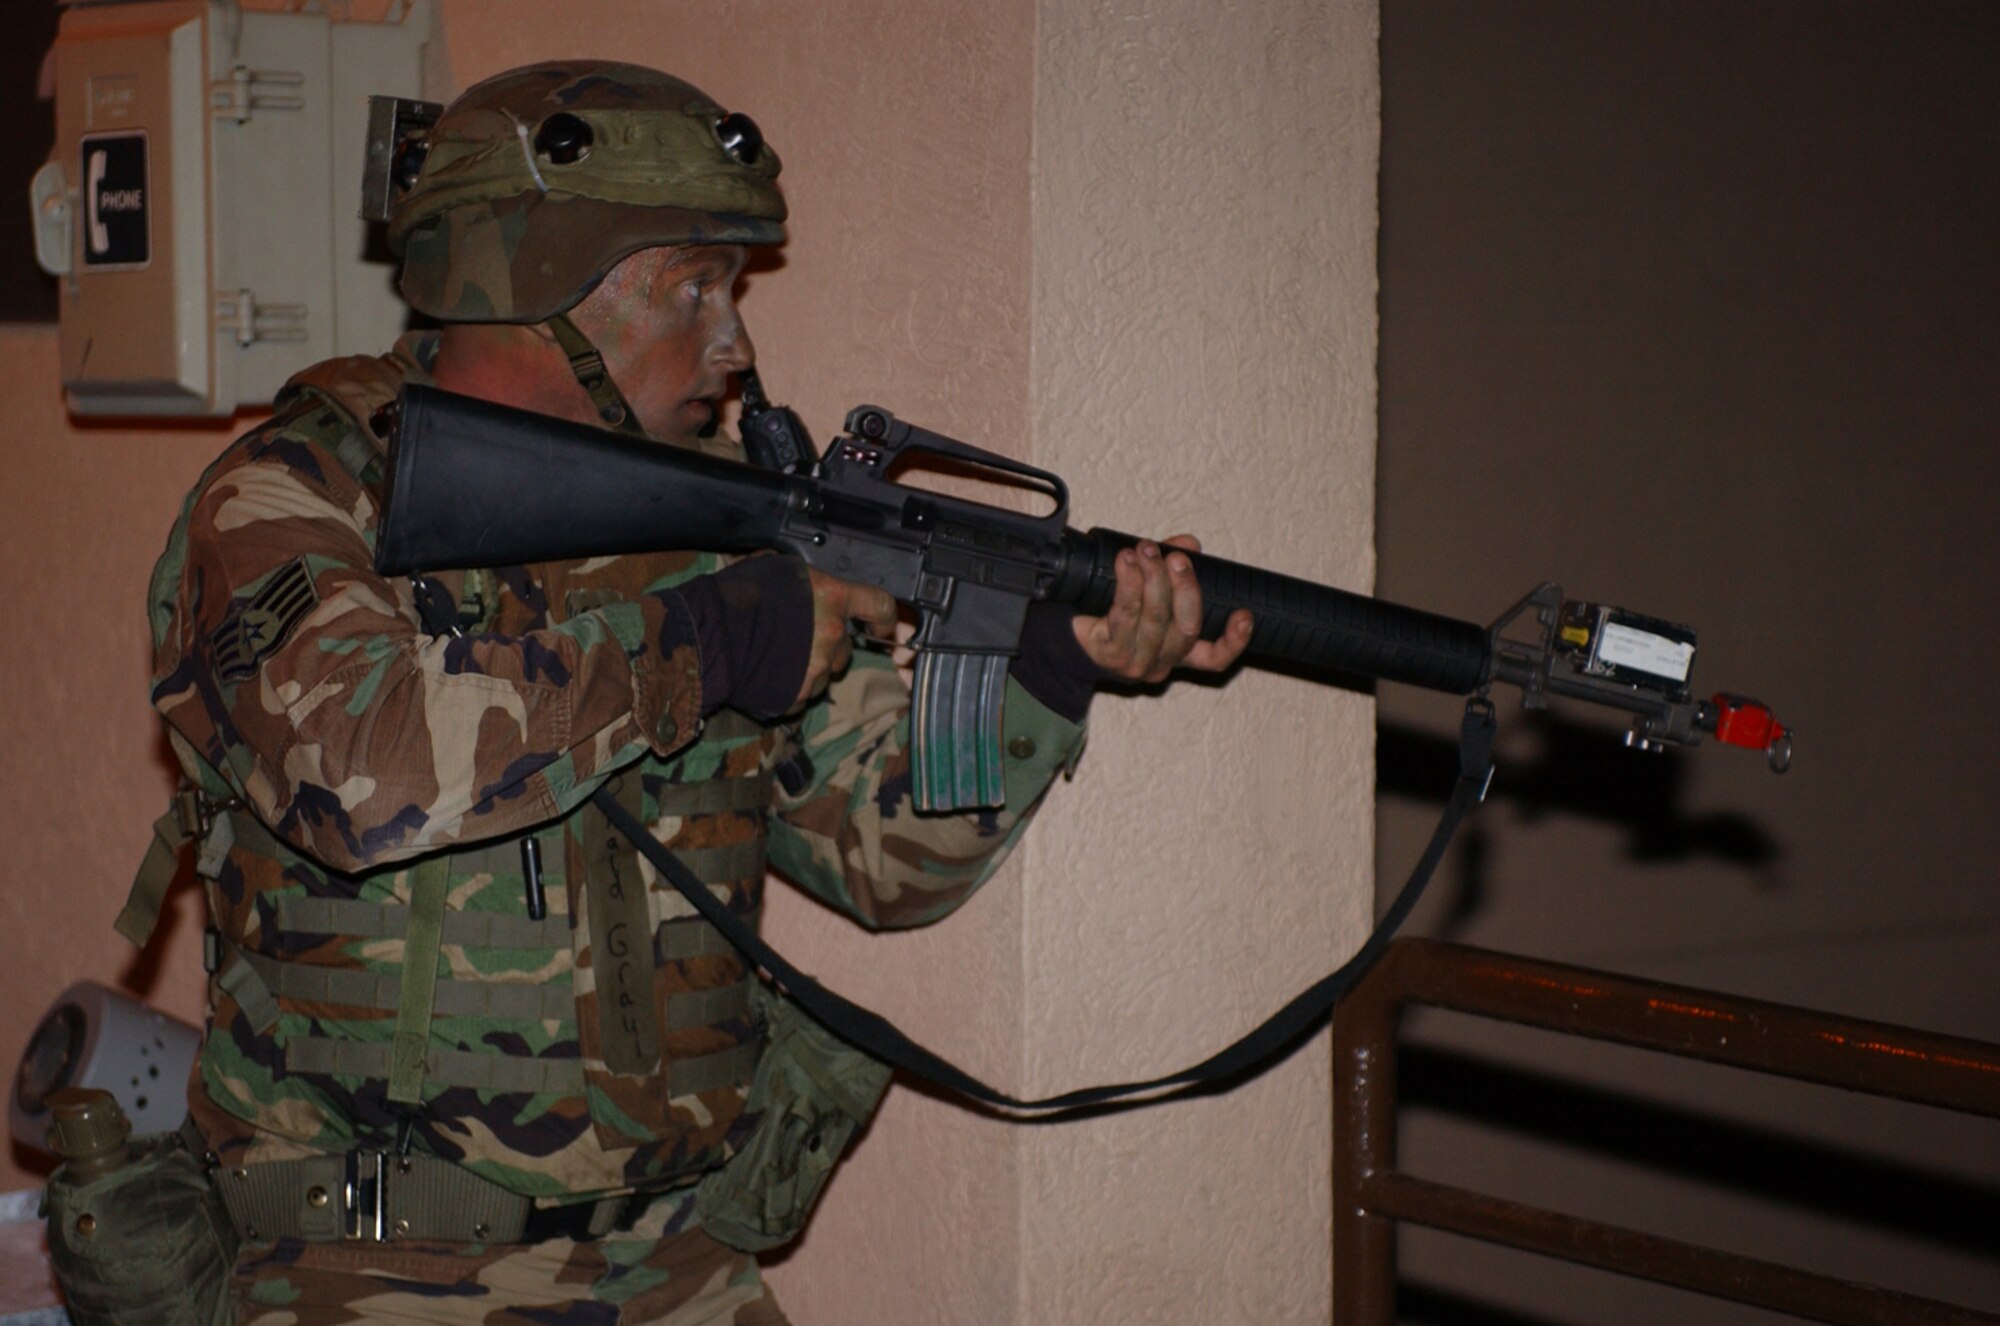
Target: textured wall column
1203, 350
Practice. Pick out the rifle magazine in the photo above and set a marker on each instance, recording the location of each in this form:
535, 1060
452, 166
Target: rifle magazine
955, 731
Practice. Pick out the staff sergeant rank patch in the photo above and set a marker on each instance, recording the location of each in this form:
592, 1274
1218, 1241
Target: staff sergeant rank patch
253, 631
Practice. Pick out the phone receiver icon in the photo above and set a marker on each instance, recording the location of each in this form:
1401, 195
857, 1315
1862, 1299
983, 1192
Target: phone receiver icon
100, 234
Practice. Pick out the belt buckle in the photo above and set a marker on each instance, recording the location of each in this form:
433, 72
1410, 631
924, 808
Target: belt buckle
364, 1197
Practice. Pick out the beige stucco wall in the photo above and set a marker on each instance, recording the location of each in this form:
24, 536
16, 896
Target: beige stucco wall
83, 767
1203, 358
1134, 243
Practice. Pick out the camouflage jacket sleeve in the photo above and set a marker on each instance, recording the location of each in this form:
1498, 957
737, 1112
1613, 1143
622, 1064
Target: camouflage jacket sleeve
851, 837
307, 682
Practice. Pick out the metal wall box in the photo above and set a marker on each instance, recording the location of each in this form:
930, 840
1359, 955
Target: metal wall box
200, 208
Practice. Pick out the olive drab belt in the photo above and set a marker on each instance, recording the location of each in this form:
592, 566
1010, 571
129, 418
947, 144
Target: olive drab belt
378, 1196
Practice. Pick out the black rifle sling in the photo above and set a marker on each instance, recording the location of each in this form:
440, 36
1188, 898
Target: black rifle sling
877, 1036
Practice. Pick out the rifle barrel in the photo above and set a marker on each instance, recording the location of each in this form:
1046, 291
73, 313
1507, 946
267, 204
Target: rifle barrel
1300, 623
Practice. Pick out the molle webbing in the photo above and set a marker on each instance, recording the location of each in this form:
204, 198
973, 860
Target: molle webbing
259, 982
244, 983
716, 795
363, 919
710, 1007
723, 865
483, 1070
681, 938
551, 1001
691, 937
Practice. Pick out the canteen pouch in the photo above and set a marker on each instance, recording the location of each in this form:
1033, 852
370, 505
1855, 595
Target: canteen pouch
812, 1093
148, 1242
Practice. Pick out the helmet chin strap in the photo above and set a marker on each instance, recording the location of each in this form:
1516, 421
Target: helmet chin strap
594, 377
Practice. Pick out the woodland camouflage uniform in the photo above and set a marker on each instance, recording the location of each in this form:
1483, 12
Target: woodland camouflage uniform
347, 748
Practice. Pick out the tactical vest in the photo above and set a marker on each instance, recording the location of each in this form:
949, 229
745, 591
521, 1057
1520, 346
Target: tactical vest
606, 1045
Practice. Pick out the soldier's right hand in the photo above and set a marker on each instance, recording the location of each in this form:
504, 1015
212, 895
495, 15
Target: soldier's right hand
837, 602
772, 631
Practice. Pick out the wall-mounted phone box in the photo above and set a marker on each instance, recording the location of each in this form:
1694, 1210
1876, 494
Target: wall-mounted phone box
200, 208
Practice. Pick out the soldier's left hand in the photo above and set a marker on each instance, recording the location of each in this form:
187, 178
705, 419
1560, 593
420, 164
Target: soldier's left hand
1154, 623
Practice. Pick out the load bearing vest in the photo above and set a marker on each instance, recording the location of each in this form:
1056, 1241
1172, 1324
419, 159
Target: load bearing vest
327, 972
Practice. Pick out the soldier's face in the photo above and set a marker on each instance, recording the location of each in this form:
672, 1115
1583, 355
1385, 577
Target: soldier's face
666, 322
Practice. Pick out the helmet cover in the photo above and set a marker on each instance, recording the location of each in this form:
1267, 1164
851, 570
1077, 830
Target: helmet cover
538, 181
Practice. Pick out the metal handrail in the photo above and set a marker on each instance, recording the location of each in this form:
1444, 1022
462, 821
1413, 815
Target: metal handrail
1370, 1195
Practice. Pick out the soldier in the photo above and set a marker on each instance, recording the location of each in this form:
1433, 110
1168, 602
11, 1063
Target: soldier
430, 1025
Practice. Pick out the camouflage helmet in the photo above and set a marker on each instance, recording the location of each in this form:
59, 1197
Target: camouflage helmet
536, 182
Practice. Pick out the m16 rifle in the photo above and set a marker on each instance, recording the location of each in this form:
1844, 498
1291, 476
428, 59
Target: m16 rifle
473, 483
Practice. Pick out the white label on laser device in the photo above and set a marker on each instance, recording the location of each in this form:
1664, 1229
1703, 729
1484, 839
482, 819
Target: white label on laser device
1645, 651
